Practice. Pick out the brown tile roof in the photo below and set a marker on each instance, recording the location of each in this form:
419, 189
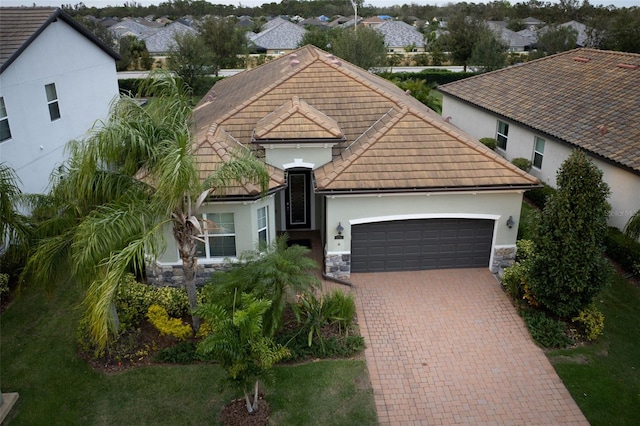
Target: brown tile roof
19, 26
585, 97
294, 118
392, 141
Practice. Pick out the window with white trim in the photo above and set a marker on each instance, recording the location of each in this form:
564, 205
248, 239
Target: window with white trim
502, 134
5, 130
538, 152
52, 101
219, 235
263, 226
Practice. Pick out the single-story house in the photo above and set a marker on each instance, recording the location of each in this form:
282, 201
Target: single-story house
387, 183
541, 110
278, 36
400, 36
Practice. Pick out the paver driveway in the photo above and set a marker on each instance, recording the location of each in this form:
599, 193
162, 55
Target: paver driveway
447, 347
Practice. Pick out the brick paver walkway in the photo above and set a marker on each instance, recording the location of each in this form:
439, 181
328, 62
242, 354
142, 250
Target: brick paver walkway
447, 347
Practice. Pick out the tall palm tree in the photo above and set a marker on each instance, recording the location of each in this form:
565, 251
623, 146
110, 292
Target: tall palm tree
134, 175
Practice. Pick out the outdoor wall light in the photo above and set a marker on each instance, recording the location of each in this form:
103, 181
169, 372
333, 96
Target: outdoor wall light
339, 228
510, 222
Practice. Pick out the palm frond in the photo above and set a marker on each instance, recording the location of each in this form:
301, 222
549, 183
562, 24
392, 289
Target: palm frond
632, 228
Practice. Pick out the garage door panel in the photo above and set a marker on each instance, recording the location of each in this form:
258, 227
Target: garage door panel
420, 244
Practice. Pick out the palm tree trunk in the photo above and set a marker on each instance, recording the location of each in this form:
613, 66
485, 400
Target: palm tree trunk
255, 397
247, 400
189, 268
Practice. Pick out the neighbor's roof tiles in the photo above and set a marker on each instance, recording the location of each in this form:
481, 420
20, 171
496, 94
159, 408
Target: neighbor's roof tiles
19, 26
400, 34
585, 97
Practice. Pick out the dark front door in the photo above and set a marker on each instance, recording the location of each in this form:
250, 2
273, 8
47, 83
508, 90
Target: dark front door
298, 200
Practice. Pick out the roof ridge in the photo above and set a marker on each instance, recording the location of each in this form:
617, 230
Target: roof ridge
258, 95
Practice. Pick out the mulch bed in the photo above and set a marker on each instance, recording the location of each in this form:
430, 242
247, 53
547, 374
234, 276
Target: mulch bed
235, 413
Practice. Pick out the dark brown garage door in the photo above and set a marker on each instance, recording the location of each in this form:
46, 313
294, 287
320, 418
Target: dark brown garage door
419, 244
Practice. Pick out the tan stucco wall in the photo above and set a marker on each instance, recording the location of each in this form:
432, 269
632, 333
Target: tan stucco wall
246, 226
312, 155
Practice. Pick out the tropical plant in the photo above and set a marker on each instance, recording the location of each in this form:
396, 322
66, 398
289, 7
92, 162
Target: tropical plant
632, 228
238, 343
570, 268
132, 178
277, 274
422, 91
14, 227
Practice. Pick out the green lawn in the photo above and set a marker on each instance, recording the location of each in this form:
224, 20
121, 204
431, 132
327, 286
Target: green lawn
604, 377
38, 360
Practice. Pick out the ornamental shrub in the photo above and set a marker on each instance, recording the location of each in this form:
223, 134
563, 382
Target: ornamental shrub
539, 196
622, 249
548, 332
590, 322
490, 143
570, 269
522, 163
4, 285
166, 325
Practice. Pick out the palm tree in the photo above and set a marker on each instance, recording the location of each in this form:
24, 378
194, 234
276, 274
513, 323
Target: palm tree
134, 175
238, 343
632, 228
13, 225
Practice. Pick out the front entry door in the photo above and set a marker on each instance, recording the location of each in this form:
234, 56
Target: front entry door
298, 200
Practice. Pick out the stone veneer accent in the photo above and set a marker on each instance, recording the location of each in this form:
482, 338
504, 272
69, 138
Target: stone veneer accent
173, 276
503, 256
337, 265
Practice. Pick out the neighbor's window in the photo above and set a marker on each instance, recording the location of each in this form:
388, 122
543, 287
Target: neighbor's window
5, 130
219, 235
538, 152
263, 223
52, 101
501, 134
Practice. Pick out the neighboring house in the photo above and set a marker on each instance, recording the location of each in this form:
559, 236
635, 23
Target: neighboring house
56, 80
280, 36
388, 183
163, 40
532, 23
581, 29
131, 27
541, 110
515, 41
372, 22
399, 36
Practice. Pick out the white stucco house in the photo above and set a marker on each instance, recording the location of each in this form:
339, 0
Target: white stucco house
386, 183
582, 99
56, 80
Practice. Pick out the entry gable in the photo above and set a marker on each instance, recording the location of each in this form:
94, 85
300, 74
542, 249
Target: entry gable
296, 120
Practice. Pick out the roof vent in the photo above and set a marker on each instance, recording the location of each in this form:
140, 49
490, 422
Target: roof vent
603, 129
294, 62
336, 61
581, 59
627, 66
